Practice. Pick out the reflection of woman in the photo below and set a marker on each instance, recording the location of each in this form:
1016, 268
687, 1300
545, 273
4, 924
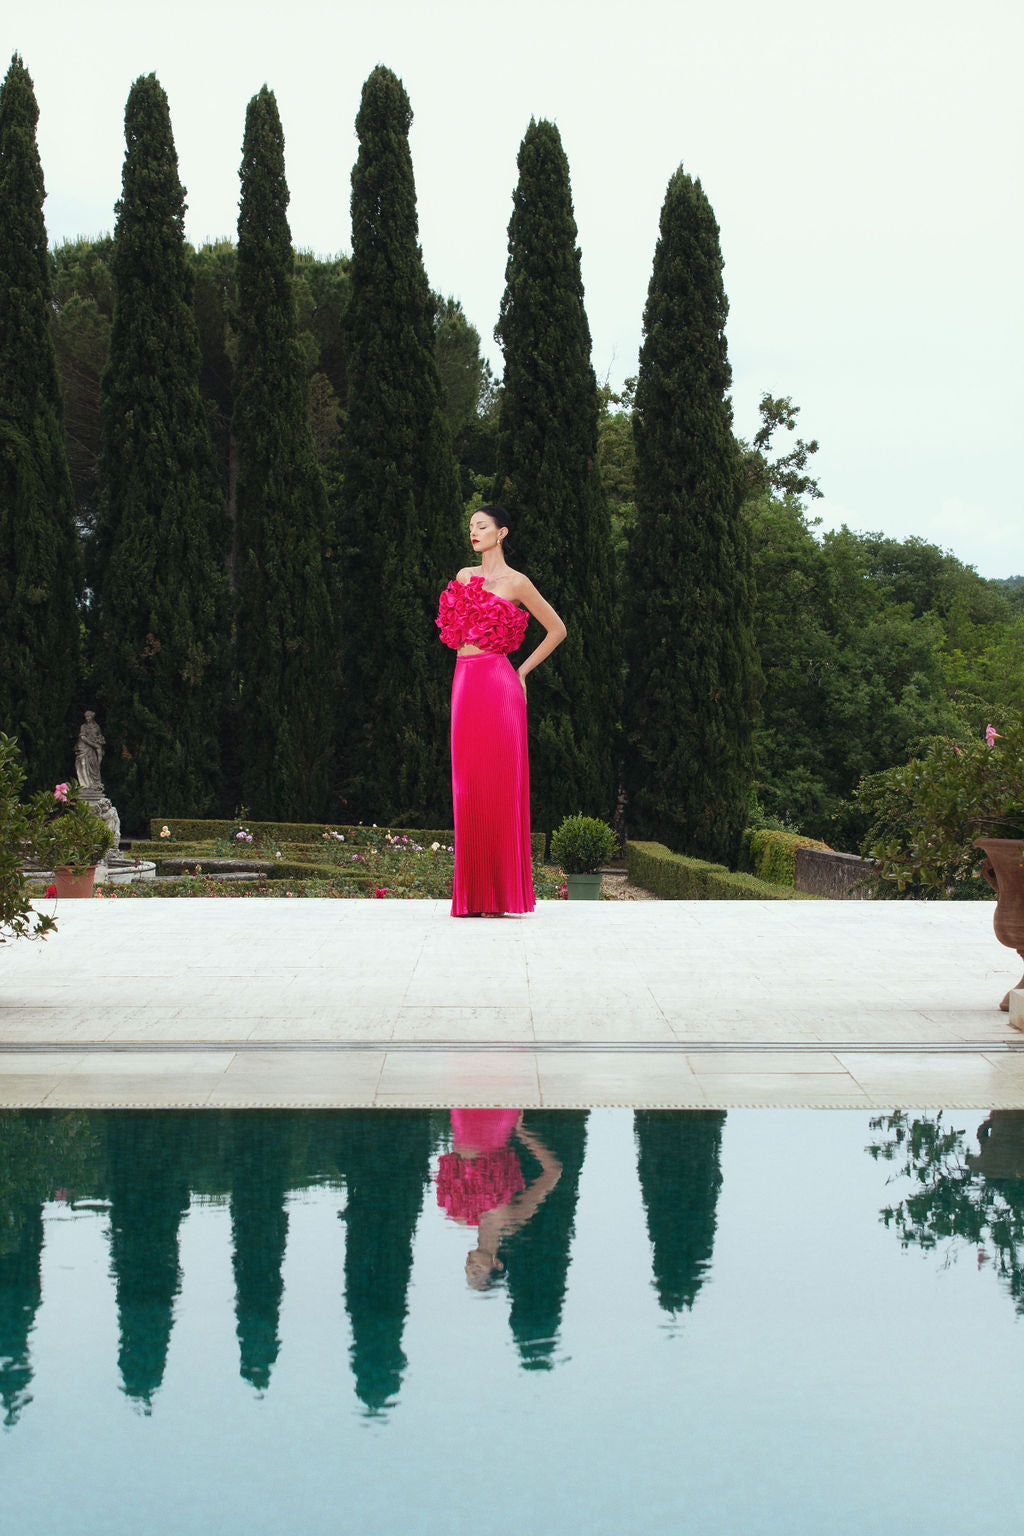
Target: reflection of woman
483, 615
480, 1183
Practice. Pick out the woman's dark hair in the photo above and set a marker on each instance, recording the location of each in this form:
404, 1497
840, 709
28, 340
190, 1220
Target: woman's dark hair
499, 517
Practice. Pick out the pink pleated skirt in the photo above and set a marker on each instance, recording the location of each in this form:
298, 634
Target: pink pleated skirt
490, 788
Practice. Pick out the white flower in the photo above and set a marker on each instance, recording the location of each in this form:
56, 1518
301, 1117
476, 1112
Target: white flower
435, 847
165, 831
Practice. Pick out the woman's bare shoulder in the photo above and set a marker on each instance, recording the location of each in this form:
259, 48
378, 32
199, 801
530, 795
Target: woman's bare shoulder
464, 575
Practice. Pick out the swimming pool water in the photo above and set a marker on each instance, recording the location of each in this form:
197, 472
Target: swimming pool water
760, 1321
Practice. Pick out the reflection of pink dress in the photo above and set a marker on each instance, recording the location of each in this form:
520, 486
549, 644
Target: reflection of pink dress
486, 1172
490, 766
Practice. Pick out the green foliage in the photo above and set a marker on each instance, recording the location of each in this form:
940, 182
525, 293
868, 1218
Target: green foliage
547, 477
161, 620
771, 855
17, 830
66, 832
678, 877
400, 516
83, 309
783, 476
287, 644
691, 695
953, 1196
39, 560
924, 815
582, 844
868, 647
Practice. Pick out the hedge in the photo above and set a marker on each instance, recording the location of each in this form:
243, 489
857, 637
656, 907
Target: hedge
772, 855
192, 831
677, 877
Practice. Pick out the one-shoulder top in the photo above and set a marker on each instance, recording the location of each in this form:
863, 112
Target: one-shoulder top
468, 615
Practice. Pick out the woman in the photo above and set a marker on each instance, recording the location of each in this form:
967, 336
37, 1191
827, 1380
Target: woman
480, 1183
483, 615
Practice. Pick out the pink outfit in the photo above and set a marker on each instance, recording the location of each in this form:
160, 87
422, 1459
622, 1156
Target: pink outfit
469, 615
481, 1130
490, 765
485, 1173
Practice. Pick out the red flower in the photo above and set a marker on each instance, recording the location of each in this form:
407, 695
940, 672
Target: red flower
51, 890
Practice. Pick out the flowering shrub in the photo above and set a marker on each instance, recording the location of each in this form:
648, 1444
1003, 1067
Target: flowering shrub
927, 813
66, 832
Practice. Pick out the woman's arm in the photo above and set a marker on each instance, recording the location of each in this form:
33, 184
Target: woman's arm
527, 594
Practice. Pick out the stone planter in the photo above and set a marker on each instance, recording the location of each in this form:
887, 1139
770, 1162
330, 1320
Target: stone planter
69, 885
584, 887
1004, 871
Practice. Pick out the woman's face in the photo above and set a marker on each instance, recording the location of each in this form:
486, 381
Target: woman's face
484, 532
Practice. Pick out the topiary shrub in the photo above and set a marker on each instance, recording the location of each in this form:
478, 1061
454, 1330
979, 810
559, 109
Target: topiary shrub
582, 844
771, 855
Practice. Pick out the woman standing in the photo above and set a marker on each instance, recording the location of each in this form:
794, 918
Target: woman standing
482, 616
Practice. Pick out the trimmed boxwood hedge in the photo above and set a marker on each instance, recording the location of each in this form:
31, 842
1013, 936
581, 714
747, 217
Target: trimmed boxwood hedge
771, 855
677, 877
193, 831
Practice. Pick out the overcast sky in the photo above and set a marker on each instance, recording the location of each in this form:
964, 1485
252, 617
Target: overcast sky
864, 164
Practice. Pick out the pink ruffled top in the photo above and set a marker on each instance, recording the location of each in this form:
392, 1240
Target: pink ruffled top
468, 615
467, 1187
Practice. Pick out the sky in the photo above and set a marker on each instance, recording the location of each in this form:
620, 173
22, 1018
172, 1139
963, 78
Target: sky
864, 164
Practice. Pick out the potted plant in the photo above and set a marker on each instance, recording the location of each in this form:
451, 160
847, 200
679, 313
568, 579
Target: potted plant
18, 919
68, 837
945, 822
580, 846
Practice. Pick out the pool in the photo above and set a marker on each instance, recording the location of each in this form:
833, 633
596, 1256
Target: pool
753, 1321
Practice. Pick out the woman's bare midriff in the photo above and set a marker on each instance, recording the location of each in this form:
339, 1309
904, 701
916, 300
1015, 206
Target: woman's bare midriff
473, 650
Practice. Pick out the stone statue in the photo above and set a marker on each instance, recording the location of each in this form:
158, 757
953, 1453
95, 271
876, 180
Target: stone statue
107, 813
88, 753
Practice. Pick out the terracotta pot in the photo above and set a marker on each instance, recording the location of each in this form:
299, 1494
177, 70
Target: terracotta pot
1004, 871
70, 885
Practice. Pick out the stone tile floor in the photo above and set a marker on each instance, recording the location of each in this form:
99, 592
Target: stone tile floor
726, 1004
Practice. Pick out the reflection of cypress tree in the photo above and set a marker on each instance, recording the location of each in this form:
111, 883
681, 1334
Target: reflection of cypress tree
387, 1166
148, 1187
259, 1228
20, 1293
680, 1175
538, 1254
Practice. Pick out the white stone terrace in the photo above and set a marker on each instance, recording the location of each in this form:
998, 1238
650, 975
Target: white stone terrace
179, 1002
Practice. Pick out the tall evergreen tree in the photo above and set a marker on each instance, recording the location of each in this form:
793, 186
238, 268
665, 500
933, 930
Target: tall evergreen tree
161, 630
548, 478
691, 693
286, 629
401, 517
39, 564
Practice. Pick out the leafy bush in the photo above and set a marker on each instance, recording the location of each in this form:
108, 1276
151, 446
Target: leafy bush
926, 814
17, 825
582, 844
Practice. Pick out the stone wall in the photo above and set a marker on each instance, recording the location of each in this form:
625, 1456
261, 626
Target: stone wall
822, 873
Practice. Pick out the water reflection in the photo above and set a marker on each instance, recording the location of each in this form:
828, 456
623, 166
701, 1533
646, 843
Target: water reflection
679, 1164
959, 1198
517, 1183
510, 1178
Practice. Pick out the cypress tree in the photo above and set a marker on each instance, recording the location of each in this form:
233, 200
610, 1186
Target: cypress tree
286, 632
547, 476
691, 693
402, 519
161, 629
39, 564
